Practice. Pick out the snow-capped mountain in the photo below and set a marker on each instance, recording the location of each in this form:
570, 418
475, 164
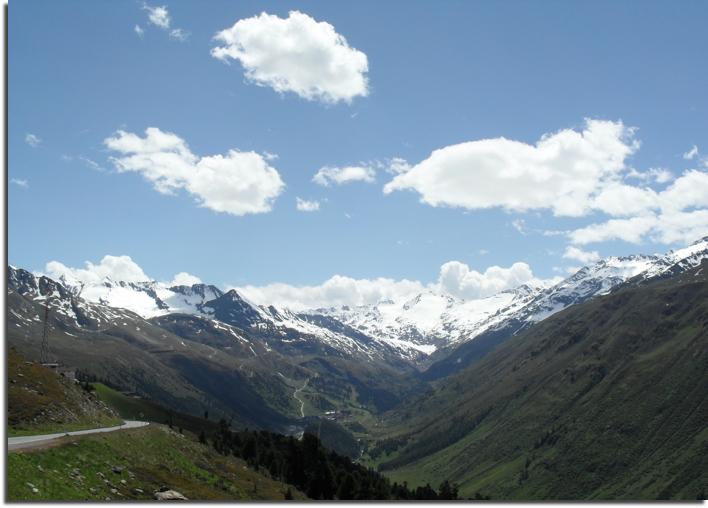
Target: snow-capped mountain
677, 261
586, 283
62, 300
435, 321
107, 300
431, 320
410, 329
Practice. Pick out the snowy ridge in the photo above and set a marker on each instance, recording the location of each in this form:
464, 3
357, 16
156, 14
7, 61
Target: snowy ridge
410, 329
63, 301
101, 304
432, 320
439, 321
588, 282
679, 260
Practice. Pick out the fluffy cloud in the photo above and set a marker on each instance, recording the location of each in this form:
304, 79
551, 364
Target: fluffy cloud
139, 31
570, 173
304, 205
667, 228
621, 200
32, 140
335, 291
20, 183
455, 279
561, 172
295, 54
585, 257
675, 214
237, 183
185, 279
328, 175
117, 268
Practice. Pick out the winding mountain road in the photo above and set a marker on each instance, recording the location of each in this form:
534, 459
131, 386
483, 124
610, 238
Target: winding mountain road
25, 442
302, 402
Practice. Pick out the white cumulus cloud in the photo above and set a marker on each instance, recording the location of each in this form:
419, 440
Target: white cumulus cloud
237, 183
676, 214
328, 175
561, 172
295, 54
459, 280
455, 279
335, 291
304, 205
185, 279
571, 173
117, 268
585, 257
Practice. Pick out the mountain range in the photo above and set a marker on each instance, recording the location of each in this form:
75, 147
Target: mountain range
422, 385
413, 328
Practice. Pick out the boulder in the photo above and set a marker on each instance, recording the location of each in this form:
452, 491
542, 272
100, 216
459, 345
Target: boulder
169, 495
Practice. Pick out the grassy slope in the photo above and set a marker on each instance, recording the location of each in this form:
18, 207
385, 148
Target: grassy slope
152, 457
135, 408
606, 400
39, 401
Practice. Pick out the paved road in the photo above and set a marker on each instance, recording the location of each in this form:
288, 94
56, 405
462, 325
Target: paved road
20, 442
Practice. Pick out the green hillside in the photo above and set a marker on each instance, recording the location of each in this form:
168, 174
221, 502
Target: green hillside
605, 400
39, 401
131, 465
122, 465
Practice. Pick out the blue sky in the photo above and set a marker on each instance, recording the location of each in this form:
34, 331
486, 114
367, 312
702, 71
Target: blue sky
439, 74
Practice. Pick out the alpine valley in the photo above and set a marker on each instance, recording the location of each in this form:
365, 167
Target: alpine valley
501, 395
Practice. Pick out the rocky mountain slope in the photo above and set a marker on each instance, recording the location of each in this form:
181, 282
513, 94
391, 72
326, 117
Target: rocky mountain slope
189, 346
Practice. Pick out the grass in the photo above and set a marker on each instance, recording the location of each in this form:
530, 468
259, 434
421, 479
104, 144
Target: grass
41, 402
135, 408
152, 457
